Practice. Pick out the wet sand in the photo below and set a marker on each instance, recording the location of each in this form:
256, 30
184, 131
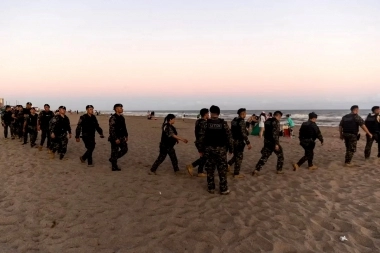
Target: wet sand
64, 206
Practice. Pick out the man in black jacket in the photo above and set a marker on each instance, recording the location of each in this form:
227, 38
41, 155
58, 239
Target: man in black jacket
43, 125
88, 124
373, 125
6, 121
59, 127
309, 132
118, 136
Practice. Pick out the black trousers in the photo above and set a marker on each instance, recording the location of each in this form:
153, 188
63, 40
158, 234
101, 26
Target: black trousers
118, 150
200, 162
6, 125
45, 134
89, 143
308, 146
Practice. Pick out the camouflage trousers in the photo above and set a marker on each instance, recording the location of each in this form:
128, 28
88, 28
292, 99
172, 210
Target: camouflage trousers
118, 150
10, 126
308, 145
33, 133
266, 152
368, 146
350, 141
216, 159
237, 159
59, 144
165, 151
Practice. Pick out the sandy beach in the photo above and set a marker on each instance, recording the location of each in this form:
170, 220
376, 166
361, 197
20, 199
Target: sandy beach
64, 206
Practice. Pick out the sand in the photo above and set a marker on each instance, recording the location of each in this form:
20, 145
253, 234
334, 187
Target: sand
64, 206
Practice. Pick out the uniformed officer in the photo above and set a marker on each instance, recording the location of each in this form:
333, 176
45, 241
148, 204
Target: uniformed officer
87, 125
240, 137
43, 125
30, 127
373, 126
6, 121
59, 127
216, 141
118, 136
271, 144
349, 132
200, 125
309, 132
169, 138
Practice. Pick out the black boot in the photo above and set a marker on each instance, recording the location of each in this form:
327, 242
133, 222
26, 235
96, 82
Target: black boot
61, 156
114, 165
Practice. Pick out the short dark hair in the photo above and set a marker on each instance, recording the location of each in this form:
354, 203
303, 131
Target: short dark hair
375, 108
7, 106
313, 115
354, 107
117, 105
241, 110
277, 113
47, 105
203, 112
215, 109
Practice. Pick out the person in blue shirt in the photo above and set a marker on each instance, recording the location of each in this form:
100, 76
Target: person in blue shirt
290, 123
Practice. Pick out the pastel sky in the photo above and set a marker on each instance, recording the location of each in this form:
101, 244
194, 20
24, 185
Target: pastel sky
295, 54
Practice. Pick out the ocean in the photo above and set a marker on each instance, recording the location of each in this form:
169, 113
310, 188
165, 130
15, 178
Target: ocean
325, 117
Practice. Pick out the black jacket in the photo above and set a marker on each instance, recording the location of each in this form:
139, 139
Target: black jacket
88, 125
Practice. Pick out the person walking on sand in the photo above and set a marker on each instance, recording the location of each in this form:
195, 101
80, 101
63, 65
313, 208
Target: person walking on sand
271, 144
43, 125
373, 125
349, 132
88, 125
262, 120
6, 121
309, 132
169, 138
200, 126
216, 141
240, 138
118, 136
30, 127
59, 127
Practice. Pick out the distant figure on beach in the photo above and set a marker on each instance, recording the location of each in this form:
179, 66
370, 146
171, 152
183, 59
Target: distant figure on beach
59, 127
183, 116
240, 138
215, 142
6, 121
118, 136
169, 137
271, 144
253, 123
30, 127
290, 123
200, 127
43, 125
87, 125
349, 132
270, 115
309, 132
262, 119
373, 126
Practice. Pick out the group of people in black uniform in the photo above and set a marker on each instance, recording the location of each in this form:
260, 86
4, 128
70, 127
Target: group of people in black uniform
214, 138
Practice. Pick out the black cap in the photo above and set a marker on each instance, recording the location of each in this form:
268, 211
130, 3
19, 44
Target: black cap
89, 106
56, 110
62, 107
117, 105
32, 108
29, 103
375, 108
7, 106
46, 105
313, 115
241, 110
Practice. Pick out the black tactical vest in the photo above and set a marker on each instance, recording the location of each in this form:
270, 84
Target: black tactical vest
236, 129
165, 139
32, 120
307, 131
268, 133
215, 133
372, 124
349, 125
